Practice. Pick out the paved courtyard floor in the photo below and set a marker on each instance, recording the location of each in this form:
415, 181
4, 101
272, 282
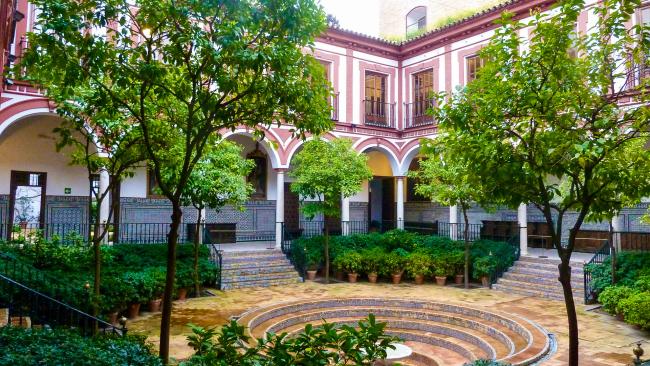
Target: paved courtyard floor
604, 340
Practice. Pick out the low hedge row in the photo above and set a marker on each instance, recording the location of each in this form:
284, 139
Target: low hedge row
131, 273
630, 297
397, 251
22, 347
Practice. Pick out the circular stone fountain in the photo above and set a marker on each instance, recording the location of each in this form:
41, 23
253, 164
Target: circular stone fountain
434, 333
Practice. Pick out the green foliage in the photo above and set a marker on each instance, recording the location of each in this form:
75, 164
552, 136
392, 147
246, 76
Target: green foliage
326, 171
418, 263
630, 266
327, 344
484, 266
636, 309
350, 261
612, 296
394, 263
401, 239
63, 347
485, 363
372, 259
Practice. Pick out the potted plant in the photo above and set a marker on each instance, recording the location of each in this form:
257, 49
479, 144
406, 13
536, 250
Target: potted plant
483, 267
184, 281
371, 262
457, 261
138, 292
155, 283
441, 268
313, 258
350, 262
114, 297
394, 264
417, 266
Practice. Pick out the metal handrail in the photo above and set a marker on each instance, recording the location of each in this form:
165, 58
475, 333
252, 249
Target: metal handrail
599, 257
22, 301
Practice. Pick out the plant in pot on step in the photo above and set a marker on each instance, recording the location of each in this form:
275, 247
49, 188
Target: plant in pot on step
350, 262
441, 268
418, 265
394, 264
457, 262
372, 261
483, 267
155, 283
115, 295
137, 294
314, 257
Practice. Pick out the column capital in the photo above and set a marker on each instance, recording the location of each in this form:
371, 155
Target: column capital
400, 176
280, 170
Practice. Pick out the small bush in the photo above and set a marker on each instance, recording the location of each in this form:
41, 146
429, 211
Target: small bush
418, 263
636, 309
612, 296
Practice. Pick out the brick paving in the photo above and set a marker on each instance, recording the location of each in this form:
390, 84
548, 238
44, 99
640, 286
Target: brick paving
604, 340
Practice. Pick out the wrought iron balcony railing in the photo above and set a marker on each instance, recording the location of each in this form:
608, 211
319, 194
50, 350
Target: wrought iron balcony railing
378, 113
416, 114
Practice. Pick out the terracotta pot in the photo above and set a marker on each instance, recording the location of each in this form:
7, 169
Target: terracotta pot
154, 305
459, 279
397, 277
352, 277
311, 275
182, 293
339, 275
441, 280
112, 317
419, 279
485, 281
372, 277
133, 310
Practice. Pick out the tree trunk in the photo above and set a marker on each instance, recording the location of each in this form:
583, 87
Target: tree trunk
166, 316
565, 280
197, 233
327, 254
98, 272
466, 247
612, 251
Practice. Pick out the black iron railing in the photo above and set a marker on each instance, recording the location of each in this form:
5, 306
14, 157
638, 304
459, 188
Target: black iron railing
297, 257
12, 268
456, 231
503, 266
64, 233
216, 257
379, 114
599, 257
28, 308
417, 114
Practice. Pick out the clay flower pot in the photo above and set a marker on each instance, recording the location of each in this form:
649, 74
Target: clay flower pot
352, 277
154, 305
182, 293
133, 310
397, 277
485, 281
459, 279
372, 277
339, 275
441, 280
311, 274
419, 279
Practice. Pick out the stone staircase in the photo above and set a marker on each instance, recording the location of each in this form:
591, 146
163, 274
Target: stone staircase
533, 276
261, 268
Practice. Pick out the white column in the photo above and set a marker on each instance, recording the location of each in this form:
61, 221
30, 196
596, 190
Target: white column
453, 222
617, 227
104, 208
522, 217
400, 202
279, 207
345, 215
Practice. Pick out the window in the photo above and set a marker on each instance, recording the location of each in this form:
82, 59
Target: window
416, 20
375, 102
257, 176
416, 112
153, 190
422, 85
326, 66
474, 64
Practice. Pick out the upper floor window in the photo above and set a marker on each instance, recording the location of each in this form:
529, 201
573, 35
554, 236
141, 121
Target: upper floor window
377, 110
375, 87
422, 85
416, 112
326, 67
416, 20
473, 64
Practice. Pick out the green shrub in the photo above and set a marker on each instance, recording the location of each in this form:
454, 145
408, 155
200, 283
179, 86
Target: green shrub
349, 261
401, 239
636, 309
418, 263
486, 363
393, 263
612, 296
442, 265
372, 259
483, 266
62, 347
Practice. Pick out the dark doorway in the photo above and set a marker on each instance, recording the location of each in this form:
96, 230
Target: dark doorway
291, 212
27, 199
381, 203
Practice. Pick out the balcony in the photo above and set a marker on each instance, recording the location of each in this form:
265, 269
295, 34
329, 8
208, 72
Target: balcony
416, 113
379, 114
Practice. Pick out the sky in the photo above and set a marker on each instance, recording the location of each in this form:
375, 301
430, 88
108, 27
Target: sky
357, 15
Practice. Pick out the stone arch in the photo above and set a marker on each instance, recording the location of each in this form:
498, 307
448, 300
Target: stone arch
410, 152
295, 145
384, 147
265, 144
24, 109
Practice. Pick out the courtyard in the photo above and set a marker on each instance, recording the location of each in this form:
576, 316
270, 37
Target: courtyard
604, 340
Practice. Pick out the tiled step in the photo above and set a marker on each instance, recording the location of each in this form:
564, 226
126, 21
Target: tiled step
550, 275
229, 278
261, 283
247, 271
576, 282
544, 267
549, 261
519, 291
550, 288
258, 259
254, 264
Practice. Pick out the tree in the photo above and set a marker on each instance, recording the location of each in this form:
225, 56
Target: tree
449, 181
181, 71
218, 179
544, 122
325, 172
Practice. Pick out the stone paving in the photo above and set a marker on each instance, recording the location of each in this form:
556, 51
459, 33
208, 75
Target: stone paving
604, 340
